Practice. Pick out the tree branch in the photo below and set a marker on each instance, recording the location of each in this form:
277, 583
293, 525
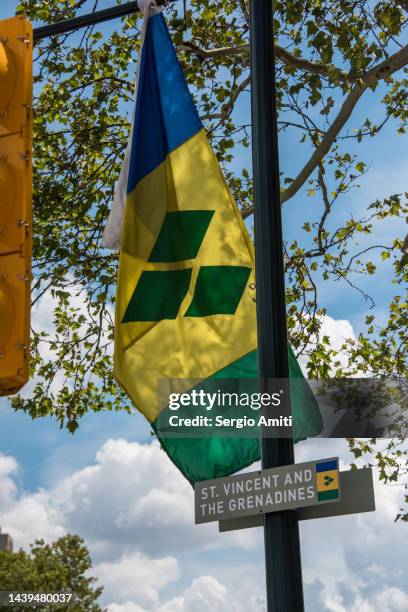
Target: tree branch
245, 9
236, 91
370, 79
190, 47
324, 147
324, 70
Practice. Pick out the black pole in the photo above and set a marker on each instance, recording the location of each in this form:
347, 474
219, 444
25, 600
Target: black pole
69, 25
281, 531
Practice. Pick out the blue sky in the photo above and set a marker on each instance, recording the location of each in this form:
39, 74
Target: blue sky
110, 485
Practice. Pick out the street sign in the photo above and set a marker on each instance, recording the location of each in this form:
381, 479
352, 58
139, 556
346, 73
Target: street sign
271, 490
357, 495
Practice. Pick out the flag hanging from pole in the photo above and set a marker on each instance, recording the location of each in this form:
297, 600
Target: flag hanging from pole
184, 305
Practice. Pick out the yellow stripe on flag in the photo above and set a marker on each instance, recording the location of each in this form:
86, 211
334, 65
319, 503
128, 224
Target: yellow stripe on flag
327, 481
192, 347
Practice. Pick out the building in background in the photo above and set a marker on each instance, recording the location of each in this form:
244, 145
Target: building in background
6, 542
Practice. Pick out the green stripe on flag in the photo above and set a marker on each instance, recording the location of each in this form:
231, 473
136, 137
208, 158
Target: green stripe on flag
325, 495
217, 456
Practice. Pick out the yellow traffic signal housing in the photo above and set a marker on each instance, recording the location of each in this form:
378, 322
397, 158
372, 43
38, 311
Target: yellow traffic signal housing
16, 48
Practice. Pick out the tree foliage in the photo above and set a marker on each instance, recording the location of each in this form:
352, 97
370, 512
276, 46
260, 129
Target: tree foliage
62, 566
330, 57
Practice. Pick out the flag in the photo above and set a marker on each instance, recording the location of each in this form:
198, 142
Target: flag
327, 480
184, 305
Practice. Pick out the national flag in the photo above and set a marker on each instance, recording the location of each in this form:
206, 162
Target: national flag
327, 480
185, 306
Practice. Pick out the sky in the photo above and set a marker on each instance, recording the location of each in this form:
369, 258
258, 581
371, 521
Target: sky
111, 484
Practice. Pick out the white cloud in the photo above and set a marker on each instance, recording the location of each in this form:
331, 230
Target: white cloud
206, 594
135, 512
32, 517
131, 506
353, 557
42, 313
42, 321
137, 495
338, 331
8, 487
137, 578
25, 517
133, 493
389, 599
128, 606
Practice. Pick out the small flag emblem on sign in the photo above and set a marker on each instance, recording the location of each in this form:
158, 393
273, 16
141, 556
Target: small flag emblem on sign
327, 480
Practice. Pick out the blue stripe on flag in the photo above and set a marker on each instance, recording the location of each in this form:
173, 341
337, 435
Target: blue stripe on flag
165, 114
325, 466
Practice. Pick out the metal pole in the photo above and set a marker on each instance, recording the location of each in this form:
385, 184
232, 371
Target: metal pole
69, 25
281, 531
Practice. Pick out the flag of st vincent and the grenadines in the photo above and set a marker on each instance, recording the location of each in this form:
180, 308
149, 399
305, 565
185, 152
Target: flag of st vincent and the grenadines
184, 306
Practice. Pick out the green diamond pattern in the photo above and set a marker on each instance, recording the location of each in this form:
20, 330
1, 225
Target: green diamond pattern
181, 235
218, 290
160, 293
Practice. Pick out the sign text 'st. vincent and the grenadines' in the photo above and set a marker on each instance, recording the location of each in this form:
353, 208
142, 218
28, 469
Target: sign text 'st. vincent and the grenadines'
282, 488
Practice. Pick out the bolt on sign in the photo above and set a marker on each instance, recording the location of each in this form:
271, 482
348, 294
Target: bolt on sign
282, 488
16, 48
